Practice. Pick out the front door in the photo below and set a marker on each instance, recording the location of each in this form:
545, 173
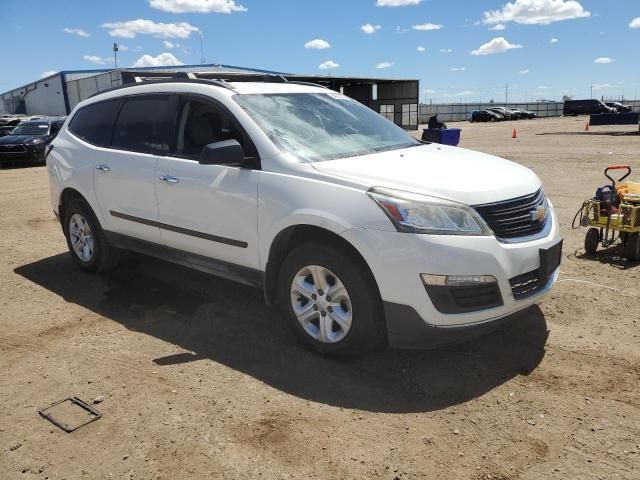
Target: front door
124, 174
210, 210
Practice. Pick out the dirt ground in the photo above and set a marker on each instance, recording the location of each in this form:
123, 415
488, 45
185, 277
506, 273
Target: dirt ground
201, 380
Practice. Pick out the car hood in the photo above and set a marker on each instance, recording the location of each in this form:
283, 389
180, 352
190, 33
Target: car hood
452, 173
17, 139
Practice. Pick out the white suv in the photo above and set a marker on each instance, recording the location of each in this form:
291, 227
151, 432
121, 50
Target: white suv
358, 231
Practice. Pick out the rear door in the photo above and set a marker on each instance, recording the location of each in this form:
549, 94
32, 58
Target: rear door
210, 210
124, 176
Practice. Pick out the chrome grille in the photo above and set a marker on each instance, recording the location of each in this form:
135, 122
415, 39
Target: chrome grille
516, 217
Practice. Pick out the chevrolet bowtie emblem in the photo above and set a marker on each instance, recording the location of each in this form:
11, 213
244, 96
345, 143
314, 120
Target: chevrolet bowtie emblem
539, 214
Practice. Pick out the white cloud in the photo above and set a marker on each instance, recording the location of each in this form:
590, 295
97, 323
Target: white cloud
554, 40
542, 87
396, 3
604, 60
635, 23
537, 12
369, 28
427, 26
328, 65
94, 59
385, 65
132, 28
77, 31
317, 44
123, 48
137, 48
400, 30
459, 69
499, 26
524, 72
464, 93
197, 6
446, 50
161, 60
428, 90
600, 86
422, 49
168, 45
496, 45
48, 73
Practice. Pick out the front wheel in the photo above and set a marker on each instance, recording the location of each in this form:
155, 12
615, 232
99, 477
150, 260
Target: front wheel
332, 302
86, 240
591, 241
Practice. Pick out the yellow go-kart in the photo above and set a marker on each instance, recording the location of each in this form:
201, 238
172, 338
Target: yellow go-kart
612, 215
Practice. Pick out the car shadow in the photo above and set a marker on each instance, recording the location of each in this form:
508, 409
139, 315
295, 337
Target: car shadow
610, 256
215, 319
591, 133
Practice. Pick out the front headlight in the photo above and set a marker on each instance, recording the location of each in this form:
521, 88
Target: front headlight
35, 141
415, 213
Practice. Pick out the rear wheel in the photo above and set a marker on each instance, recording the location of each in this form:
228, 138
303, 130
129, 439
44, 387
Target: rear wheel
591, 241
632, 247
331, 301
86, 240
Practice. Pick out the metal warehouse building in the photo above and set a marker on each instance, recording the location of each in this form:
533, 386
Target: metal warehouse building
58, 94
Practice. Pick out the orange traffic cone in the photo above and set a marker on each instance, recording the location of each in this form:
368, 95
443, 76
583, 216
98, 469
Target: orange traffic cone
514, 134
586, 126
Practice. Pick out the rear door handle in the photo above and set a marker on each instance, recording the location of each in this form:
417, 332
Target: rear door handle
103, 168
169, 179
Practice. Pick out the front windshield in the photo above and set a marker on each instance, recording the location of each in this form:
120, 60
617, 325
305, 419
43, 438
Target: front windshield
323, 126
31, 128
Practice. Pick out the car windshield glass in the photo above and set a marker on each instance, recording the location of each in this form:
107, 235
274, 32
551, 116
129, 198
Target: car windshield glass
31, 128
323, 126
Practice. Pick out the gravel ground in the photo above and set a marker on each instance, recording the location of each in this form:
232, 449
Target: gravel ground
200, 380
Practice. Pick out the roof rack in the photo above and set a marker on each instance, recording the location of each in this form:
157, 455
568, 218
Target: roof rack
194, 77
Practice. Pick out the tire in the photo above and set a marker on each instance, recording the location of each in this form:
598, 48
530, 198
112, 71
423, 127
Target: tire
591, 241
353, 323
632, 247
94, 254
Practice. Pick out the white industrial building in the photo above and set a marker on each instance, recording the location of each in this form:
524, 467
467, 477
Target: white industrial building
58, 94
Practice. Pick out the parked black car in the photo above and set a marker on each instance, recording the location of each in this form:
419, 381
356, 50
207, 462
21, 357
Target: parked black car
619, 107
507, 113
527, 114
585, 107
28, 141
485, 116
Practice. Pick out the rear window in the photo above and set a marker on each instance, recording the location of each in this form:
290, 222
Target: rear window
143, 124
94, 123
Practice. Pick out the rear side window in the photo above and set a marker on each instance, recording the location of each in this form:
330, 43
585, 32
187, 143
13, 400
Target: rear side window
143, 124
94, 123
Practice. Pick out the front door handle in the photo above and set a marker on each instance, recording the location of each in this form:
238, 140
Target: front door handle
169, 179
103, 168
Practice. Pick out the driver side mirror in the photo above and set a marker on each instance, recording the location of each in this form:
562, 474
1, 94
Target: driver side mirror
227, 152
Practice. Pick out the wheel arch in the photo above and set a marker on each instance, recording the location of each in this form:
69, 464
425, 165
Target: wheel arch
294, 235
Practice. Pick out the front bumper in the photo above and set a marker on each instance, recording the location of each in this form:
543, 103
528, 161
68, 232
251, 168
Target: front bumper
31, 153
397, 260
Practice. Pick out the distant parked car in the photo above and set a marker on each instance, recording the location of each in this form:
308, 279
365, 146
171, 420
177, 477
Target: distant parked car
507, 113
485, 116
585, 107
619, 107
28, 141
528, 114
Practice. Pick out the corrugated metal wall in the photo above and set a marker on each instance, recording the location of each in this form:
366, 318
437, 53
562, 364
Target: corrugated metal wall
43, 97
82, 88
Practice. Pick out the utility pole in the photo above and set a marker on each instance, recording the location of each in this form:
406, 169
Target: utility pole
115, 54
506, 94
202, 60
591, 87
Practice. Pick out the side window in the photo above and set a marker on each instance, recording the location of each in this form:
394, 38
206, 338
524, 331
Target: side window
201, 123
94, 123
143, 124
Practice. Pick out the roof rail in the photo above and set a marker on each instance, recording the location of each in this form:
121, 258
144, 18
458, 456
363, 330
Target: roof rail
139, 81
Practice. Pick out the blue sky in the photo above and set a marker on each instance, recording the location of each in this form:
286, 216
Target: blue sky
469, 49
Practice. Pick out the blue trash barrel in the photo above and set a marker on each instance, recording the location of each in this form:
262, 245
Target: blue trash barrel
445, 136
